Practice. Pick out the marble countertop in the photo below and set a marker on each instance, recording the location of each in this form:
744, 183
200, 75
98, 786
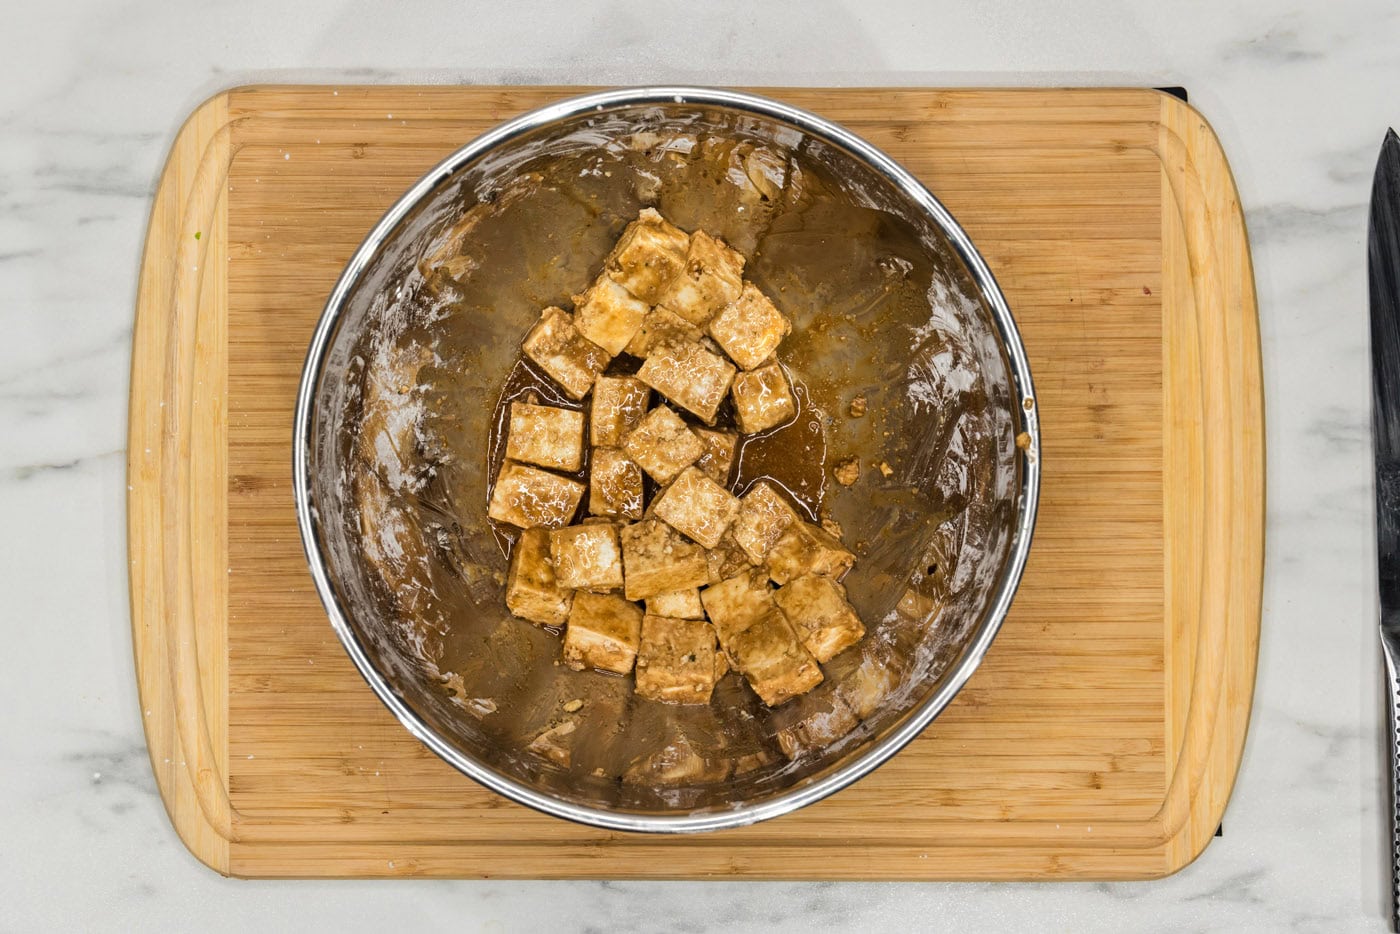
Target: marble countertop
92, 95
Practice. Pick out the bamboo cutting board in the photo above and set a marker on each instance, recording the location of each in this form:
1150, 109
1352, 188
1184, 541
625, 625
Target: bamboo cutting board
1099, 739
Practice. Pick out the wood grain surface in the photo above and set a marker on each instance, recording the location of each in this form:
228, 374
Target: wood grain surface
1099, 739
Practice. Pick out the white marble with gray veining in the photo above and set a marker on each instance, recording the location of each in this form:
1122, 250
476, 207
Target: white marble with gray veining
91, 96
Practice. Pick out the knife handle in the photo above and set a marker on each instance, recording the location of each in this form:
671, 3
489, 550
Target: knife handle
1392, 737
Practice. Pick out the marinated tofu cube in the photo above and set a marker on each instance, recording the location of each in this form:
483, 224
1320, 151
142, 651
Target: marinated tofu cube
657, 560
750, 329
736, 603
532, 591
528, 497
604, 632
690, 376
676, 661
719, 453
727, 558
763, 517
661, 325
608, 315
679, 604
763, 398
804, 549
619, 403
545, 435
587, 557
711, 279
663, 445
649, 254
697, 506
773, 660
614, 485
813, 723
821, 615
570, 359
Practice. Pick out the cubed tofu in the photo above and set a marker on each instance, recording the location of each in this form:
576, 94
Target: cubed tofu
545, 435
813, 723
750, 328
719, 453
604, 632
679, 604
697, 506
649, 254
721, 657
532, 591
657, 560
763, 398
820, 614
763, 517
803, 549
661, 325
571, 360
663, 445
689, 375
614, 485
587, 557
618, 405
727, 558
676, 661
736, 603
528, 497
773, 660
711, 279
608, 315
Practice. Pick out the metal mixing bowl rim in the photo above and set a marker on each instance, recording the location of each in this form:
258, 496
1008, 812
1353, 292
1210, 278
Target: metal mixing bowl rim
917, 719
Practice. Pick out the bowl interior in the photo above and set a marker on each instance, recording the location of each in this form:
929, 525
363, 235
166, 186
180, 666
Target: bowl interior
402, 441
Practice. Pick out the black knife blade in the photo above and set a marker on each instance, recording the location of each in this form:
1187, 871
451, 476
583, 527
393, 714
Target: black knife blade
1383, 273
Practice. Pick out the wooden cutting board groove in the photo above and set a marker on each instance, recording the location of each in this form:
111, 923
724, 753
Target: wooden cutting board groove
1102, 734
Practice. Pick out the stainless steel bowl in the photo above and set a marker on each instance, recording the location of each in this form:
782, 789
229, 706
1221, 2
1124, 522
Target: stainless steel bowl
988, 496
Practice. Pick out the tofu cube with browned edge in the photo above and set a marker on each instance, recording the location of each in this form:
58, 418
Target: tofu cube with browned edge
750, 329
711, 279
608, 315
821, 615
532, 591
763, 517
661, 325
689, 375
773, 660
676, 661
657, 560
528, 497
604, 632
719, 453
649, 254
663, 445
545, 435
697, 506
736, 603
678, 604
569, 358
619, 404
587, 557
614, 485
763, 398
803, 549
